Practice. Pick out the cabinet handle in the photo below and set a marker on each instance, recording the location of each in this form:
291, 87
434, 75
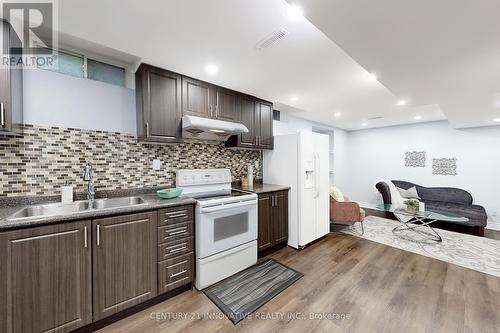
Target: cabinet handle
180, 249
184, 211
147, 130
177, 215
177, 231
177, 274
98, 235
217, 105
274, 201
85, 236
2, 115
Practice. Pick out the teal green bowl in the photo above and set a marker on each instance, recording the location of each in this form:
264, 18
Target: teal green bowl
170, 193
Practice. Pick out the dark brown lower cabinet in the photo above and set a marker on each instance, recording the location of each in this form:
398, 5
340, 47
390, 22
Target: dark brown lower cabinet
124, 262
280, 217
46, 279
273, 219
175, 247
265, 221
61, 277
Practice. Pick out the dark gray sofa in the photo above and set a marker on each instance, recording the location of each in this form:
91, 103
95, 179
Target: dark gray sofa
445, 199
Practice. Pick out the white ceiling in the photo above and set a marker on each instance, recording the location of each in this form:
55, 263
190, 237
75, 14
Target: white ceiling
186, 35
444, 52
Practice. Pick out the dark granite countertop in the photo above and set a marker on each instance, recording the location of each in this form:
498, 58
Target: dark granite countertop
152, 202
260, 188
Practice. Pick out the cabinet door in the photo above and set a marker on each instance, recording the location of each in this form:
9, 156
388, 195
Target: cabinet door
227, 104
265, 221
5, 84
248, 118
280, 217
124, 262
265, 124
46, 278
164, 119
196, 98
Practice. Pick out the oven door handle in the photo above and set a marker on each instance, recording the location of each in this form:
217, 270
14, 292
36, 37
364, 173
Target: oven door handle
229, 206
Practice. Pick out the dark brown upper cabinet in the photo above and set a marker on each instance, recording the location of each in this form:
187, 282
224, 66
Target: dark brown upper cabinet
264, 114
206, 100
163, 97
227, 104
158, 98
257, 116
11, 91
124, 262
248, 107
197, 98
46, 275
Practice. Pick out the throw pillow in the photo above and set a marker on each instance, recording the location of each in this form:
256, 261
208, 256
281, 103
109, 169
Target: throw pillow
410, 193
396, 198
336, 194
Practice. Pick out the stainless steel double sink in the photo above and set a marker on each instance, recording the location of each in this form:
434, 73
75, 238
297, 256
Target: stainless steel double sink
55, 209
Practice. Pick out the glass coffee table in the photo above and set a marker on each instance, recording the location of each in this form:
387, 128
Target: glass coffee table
416, 227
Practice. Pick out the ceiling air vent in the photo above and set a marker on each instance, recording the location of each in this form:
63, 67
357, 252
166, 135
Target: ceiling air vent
271, 39
375, 118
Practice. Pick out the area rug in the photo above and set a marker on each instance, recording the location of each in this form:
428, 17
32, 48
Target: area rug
243, 293
477, 253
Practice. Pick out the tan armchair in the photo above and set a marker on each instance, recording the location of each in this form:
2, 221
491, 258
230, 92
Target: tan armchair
346, 212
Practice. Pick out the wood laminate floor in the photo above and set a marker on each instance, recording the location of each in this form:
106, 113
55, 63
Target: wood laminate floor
375, 288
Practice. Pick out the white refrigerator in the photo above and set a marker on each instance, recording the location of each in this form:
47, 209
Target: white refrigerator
301, 161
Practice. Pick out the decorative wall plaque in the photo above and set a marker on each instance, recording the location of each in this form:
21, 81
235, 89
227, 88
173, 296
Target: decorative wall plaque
415, 159
444, 166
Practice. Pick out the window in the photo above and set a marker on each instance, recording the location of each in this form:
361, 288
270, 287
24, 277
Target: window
79, 65
66, 63
100, 71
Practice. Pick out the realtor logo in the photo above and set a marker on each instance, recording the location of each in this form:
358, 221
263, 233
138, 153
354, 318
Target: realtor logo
33, 32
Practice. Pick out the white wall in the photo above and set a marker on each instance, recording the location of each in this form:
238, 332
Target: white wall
341, 158
379, 154
290, 124
53, 99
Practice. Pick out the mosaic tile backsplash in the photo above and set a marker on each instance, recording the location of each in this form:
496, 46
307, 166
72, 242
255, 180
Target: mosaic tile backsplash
42, 160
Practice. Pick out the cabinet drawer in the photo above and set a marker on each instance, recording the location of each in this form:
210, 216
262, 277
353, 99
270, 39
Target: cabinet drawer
176, 231
175, 215
175, 248
175, 272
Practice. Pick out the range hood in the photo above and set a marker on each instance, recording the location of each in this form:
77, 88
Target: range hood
210, 129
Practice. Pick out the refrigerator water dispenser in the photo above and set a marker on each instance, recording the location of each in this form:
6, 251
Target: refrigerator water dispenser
309, 170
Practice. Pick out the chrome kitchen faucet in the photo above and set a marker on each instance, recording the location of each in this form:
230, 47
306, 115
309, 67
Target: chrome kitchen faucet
88, 177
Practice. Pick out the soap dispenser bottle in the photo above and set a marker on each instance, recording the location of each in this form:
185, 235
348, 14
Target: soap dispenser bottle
66, 193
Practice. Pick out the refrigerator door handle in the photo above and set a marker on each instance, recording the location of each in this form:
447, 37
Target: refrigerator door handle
316, 174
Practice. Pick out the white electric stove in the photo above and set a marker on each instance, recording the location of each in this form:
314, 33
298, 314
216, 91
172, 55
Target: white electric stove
225, 225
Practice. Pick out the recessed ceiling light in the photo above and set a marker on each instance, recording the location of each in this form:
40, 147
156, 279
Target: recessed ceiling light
211, 69
364, 124
496, 120
373, 76
294, 99
401, 102
337, 114
294, 12
417, 117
